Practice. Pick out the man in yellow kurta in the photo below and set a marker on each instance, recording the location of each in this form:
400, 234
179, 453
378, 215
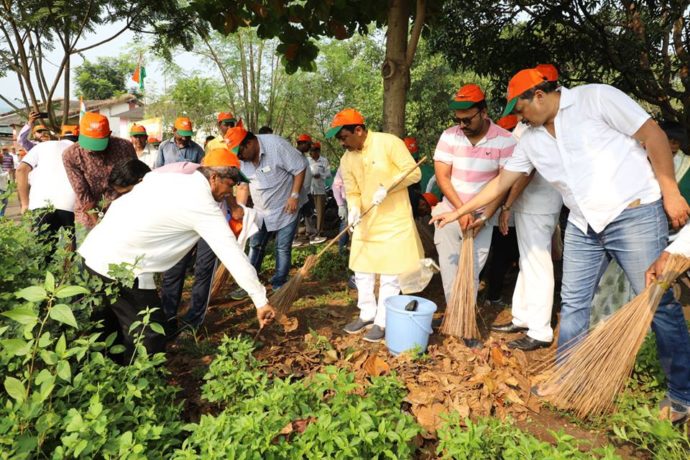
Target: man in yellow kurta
385, 241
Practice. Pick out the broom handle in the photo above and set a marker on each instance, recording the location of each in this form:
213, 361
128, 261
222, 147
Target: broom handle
390, 187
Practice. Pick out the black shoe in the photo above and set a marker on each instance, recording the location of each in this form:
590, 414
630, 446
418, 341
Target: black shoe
528, 344
508, 328
473, 343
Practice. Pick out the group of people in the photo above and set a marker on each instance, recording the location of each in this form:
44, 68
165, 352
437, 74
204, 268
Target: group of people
590, 148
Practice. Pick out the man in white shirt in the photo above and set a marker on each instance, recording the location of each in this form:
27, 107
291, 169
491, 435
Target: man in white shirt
49, 193
320, 170
587, 143
153, 227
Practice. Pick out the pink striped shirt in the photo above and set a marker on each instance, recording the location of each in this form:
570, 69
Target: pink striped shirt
473, 165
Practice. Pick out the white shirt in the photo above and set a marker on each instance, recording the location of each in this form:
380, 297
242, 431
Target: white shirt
160, 220
49, 183
149, 156
594, 162
322, 168
681, 245
539, 197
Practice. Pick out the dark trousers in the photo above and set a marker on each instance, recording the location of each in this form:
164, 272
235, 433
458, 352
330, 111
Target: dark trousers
49, 223
119, 315
505, 253
173, 282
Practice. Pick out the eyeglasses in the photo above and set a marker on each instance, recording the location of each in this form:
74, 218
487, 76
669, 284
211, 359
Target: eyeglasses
467, 120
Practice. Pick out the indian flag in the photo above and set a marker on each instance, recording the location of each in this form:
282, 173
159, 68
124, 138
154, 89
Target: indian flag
139, 75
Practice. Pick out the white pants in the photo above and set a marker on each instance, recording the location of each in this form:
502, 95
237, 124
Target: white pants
366, 299
448, 241
533, 296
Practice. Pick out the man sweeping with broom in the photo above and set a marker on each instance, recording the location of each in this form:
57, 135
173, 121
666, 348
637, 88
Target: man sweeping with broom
587, 142
385, 242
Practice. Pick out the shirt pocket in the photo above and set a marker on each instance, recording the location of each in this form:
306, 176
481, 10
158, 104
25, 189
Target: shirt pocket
492, 153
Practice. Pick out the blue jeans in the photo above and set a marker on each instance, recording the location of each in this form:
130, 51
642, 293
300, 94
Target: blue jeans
283, 254
635, 239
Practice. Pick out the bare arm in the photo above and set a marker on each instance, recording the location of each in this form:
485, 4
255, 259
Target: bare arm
242, 194
517, 189
659, 153
443, 172
22, 177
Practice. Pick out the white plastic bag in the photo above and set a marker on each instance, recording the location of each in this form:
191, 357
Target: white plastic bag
417, 280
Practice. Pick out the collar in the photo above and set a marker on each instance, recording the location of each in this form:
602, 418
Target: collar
367, 141
567, 98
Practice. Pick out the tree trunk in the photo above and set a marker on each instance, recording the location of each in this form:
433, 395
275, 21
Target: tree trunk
395, 70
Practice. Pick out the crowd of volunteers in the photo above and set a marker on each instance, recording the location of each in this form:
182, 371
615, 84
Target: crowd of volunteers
589, 156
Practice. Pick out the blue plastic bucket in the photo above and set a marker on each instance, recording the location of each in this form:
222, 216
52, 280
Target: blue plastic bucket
406, 330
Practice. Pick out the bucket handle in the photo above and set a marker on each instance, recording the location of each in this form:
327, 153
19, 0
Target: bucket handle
423, 328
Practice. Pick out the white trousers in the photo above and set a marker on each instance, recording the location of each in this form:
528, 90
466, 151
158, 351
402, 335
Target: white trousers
448, 241
366, 299
533, 296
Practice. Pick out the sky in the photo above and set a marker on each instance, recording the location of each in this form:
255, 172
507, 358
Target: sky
155, 81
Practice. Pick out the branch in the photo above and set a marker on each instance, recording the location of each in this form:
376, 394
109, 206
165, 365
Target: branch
8, 102
420, 17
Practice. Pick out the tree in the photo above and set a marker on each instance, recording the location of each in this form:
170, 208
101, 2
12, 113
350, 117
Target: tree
641, 47
30, 28
298, 24
103, 79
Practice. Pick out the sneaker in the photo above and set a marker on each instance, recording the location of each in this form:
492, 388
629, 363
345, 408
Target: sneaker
673, 411
297, 243
239, 294
317, 239
351, 282
375, 334
357, 326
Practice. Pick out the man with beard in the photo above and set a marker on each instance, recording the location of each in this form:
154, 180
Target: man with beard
181, 147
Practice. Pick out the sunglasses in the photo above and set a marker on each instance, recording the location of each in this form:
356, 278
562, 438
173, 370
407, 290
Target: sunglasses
465, 121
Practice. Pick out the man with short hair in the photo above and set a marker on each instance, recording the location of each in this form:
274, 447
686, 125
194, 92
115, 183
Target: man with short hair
468, 155
40, 132
88, 164
152, 228
139, 138
587, 143
385, 241
225, 120
181, 147
276, 172
320, 171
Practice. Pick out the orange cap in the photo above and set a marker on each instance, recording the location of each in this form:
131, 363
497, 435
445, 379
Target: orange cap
548, 70
94, 131
183, 125
522, 81
69, 130
466, 97
234, 137
304, 138
316, 146
411, 143
227, 117
38, 128
508, 122
222, 157
343, 118
137, 130
430, 198
153, 140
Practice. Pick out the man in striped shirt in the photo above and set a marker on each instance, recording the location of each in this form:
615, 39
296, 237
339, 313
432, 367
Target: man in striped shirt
467, 157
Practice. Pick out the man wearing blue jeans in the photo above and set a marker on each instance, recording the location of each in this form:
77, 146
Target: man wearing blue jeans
587, 143
276, 172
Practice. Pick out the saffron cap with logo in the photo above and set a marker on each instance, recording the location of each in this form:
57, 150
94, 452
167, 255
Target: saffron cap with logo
466, 97
343, 118
137, 130
522, 81
508, 122
304, 138
94, 132
183, 125
411, 144
69, 130
548, 70
234, 137
226, 118
222, 157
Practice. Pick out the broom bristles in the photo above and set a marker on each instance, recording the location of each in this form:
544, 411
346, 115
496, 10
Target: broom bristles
460, 319
220, 279
284, 297
590, 373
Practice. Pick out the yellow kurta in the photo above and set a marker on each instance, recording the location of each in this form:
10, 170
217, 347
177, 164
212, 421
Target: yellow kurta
216, 143
386, 241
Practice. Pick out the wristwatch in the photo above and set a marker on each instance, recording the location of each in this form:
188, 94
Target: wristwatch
483, 218
505, 207
294, 195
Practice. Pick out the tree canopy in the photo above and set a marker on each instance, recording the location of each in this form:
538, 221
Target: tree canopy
104, 78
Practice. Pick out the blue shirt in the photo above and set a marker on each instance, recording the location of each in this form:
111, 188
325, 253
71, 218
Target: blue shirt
271, 180
169, 152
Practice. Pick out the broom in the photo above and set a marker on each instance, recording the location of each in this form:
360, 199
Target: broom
587, 377
460, 319
284, 297
220, 278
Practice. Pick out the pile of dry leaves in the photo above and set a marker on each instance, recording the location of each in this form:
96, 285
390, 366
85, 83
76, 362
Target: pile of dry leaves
492, 381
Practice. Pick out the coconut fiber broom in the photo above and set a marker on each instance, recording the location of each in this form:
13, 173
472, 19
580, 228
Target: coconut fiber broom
284, 297
460, 319
587, 377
